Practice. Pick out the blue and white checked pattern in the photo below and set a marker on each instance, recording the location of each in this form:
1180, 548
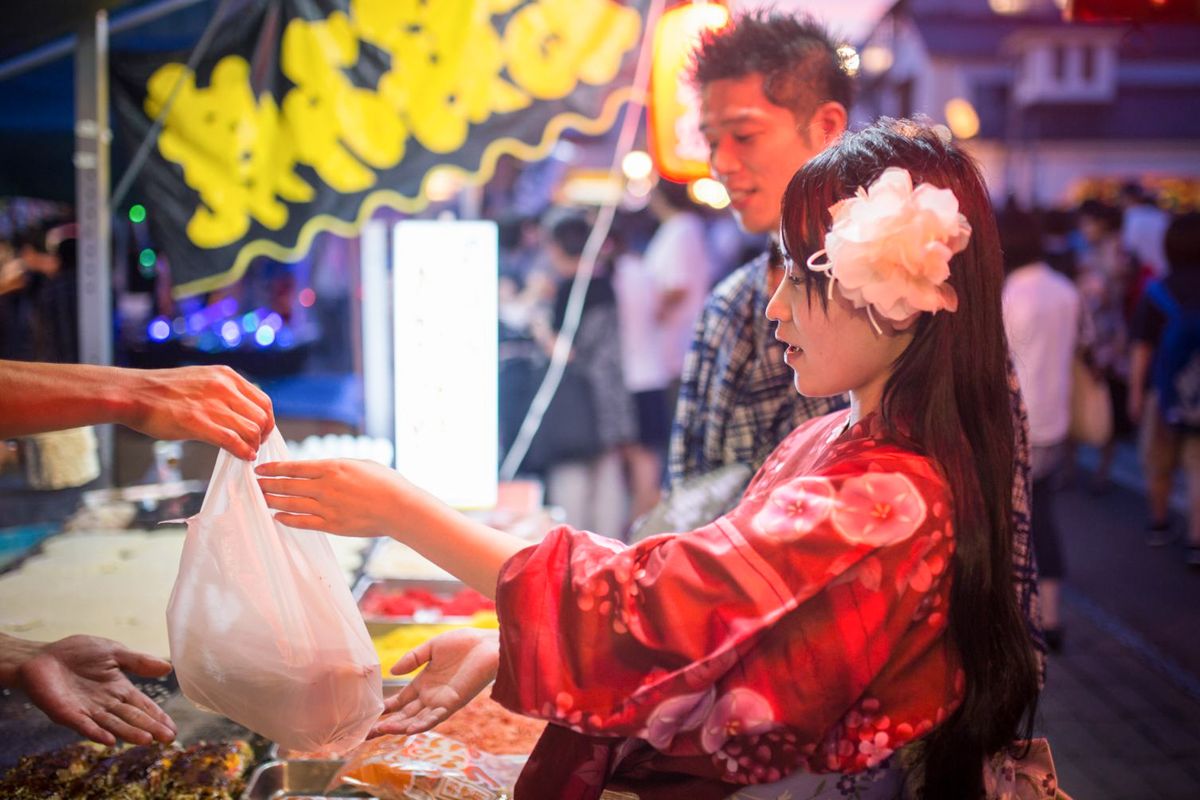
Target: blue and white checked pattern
736, 399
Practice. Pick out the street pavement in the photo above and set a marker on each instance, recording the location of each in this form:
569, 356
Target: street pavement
1122, 701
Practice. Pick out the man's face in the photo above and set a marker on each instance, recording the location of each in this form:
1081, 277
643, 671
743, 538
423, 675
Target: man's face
755, 147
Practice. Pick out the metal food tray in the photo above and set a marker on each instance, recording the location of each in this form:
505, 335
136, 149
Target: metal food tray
433, 617
382, 543
281, 780
146, 493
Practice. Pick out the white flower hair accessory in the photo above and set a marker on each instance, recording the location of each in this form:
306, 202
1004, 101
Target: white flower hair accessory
890, 246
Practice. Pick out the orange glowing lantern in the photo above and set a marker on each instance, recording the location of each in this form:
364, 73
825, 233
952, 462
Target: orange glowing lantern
679, 151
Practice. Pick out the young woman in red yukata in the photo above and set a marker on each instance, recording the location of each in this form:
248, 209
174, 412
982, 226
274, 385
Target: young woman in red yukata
849, 629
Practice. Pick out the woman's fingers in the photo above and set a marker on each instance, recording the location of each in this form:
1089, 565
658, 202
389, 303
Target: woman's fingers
401, 723
306, 522
411, 660
291, 469
296, 487
407, 694
293, 505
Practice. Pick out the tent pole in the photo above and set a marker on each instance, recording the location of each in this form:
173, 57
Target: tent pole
92, 140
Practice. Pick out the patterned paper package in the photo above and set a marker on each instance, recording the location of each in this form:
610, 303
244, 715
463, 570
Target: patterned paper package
428, 766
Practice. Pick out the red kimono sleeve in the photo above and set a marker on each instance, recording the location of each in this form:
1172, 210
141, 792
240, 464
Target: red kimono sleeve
778, 615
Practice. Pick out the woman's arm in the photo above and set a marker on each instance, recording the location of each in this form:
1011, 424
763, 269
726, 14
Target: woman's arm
359, 498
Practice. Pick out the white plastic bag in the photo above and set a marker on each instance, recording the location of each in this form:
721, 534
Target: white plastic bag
263, 628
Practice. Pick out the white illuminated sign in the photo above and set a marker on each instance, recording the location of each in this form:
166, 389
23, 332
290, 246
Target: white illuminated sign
446, 358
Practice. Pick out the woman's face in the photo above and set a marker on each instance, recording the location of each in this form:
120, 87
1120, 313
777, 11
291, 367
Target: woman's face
833, 349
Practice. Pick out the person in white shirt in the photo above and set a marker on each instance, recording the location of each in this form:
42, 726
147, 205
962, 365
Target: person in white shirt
639, 298
1042, 322
678, 258
1143, 231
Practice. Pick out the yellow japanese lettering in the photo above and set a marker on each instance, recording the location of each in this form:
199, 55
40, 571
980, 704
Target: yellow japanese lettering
552, 44
231, 148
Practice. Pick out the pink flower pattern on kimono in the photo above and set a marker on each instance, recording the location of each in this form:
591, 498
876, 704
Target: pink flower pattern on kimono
878, 509
1031, 777
714, 615
562, 710
677, 715
740, 712
796, 507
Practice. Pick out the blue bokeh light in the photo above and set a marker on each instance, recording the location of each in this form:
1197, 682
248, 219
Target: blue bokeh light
159, 329
231, 333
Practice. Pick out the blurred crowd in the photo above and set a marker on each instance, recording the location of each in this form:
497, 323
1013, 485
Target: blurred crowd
38, 315
602, 445
1091, 308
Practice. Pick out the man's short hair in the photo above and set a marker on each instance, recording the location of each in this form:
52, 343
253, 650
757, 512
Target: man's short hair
798, 60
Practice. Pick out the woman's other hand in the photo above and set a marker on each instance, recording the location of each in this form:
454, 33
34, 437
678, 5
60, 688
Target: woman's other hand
458, 665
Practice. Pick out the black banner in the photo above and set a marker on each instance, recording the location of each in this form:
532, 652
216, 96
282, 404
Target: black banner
307, 115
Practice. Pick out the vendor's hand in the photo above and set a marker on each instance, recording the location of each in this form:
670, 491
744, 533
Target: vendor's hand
78, 682
341, 496
211, 404
459, 665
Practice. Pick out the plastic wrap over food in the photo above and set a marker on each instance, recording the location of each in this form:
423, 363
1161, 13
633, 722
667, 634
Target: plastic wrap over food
262, 626
428, 766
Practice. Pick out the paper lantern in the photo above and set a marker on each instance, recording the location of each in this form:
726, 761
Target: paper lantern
679, 151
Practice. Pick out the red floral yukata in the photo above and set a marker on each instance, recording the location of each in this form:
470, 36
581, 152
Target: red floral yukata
805, 629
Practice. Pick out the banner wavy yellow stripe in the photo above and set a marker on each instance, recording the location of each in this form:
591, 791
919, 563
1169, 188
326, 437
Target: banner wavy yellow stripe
387, 198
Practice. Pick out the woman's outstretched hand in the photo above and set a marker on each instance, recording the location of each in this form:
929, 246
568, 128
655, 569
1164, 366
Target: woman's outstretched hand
341, 496
459, 664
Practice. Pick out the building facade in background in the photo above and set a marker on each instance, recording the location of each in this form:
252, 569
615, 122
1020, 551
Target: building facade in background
1054, 111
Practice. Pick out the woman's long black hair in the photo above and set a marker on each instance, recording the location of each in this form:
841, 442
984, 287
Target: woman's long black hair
948, 396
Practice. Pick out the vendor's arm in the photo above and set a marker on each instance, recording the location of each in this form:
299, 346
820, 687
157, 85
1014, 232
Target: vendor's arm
210, 404
360, 498
80, 682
